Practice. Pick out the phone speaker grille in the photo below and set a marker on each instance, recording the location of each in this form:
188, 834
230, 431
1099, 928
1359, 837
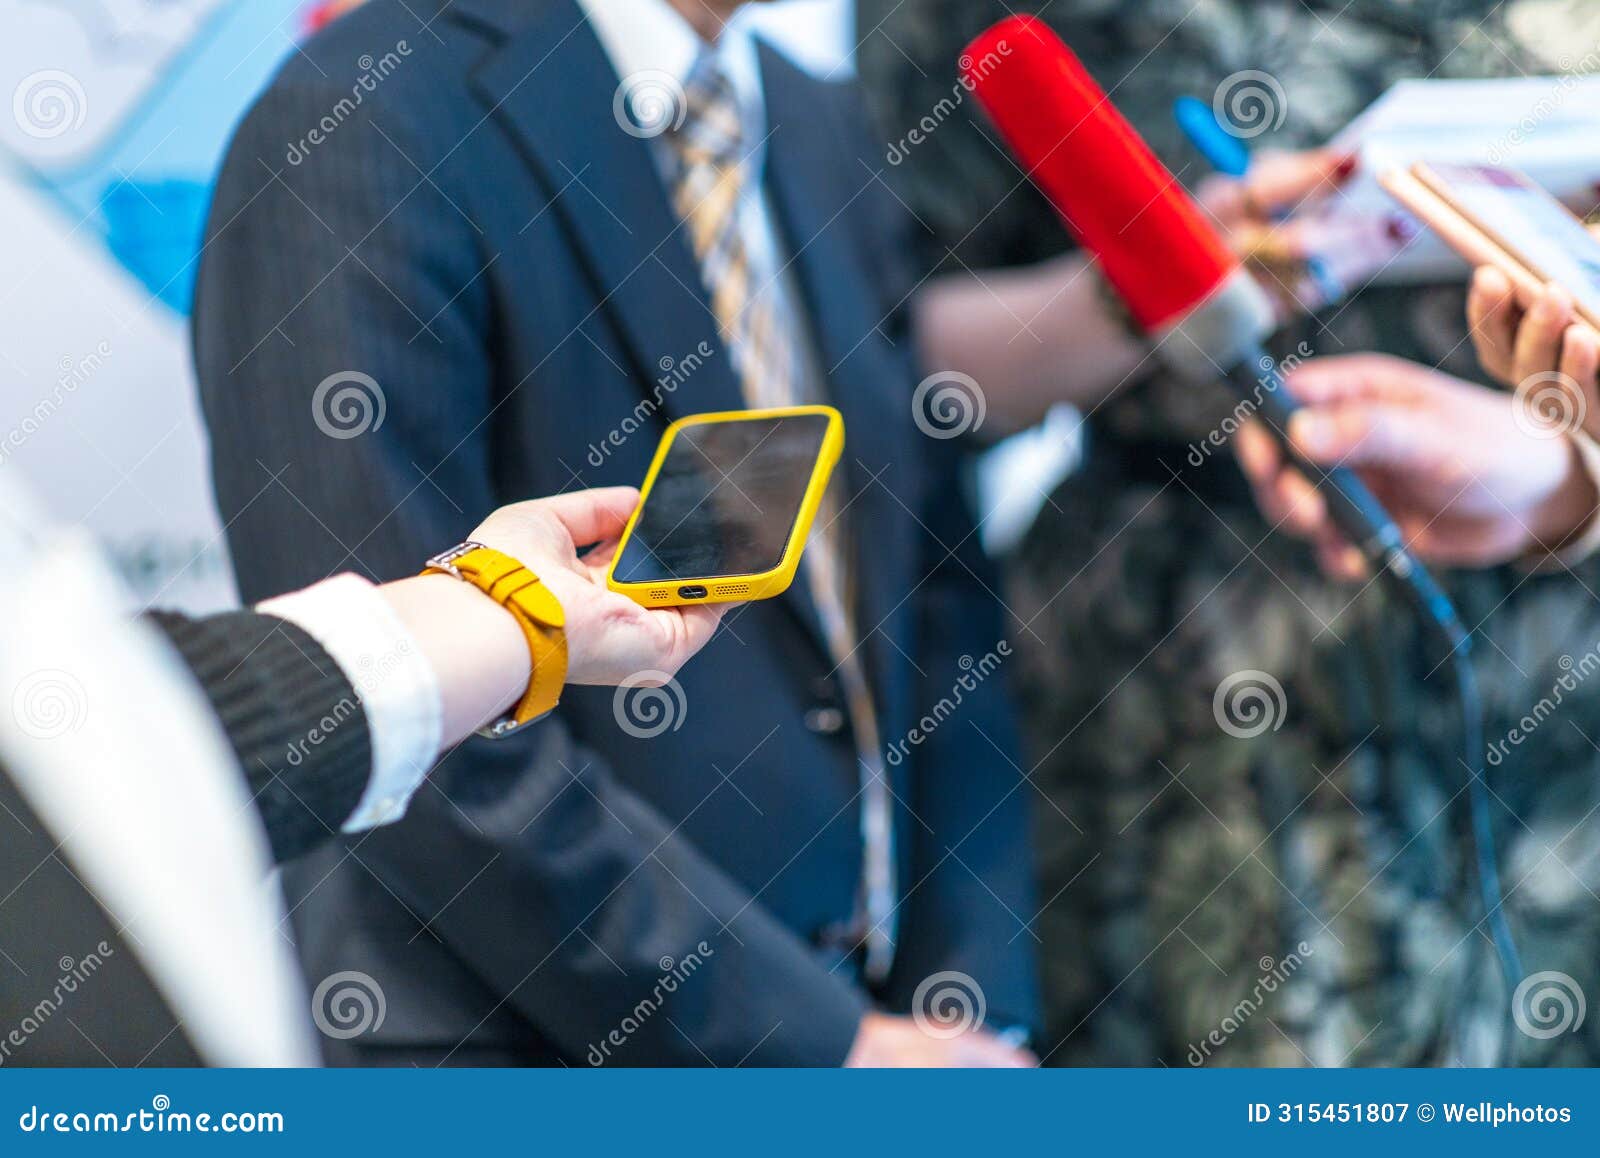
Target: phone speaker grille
733, 588
659, 593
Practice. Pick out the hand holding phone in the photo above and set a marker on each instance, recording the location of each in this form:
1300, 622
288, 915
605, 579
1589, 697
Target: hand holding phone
1535, 342
1500, 218
1534, 310
611, 640
727, 505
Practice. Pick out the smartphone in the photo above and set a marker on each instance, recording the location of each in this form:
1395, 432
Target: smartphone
724, 512
1494, 216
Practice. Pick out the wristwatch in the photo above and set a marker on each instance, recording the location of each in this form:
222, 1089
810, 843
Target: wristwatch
537, 612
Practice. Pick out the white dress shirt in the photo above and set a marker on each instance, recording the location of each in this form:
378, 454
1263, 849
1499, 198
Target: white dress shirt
648, 36
398, 687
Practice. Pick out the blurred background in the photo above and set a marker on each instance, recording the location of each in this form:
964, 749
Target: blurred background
120, 112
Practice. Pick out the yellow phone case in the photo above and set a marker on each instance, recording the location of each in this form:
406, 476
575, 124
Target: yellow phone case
735, 588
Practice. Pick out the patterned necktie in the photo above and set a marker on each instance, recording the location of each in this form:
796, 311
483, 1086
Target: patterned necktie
708, 180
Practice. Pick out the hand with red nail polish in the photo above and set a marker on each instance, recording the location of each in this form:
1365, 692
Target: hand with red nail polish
1277, 218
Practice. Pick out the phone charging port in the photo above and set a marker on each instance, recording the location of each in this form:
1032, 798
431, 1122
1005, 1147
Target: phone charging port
693, 591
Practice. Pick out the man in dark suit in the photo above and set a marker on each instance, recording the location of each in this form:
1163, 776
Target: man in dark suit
475, 214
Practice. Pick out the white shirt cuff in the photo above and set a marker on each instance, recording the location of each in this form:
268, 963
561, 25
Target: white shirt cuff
1580, 546
398, 687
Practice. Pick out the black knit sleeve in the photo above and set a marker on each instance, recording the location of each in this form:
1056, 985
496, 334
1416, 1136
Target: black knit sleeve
294, 719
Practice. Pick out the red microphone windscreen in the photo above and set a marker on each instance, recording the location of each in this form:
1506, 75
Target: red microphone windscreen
1154, 245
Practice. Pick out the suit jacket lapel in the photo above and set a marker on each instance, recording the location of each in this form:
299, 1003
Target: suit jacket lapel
814, 185
553, 85
813, 189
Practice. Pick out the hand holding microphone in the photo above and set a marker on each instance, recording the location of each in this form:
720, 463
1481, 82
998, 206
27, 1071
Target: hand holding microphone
1180, 281
1466, 484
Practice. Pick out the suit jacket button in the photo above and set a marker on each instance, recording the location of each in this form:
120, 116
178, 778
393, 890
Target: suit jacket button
825, 721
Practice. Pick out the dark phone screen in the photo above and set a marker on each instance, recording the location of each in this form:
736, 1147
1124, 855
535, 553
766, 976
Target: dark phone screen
725, 500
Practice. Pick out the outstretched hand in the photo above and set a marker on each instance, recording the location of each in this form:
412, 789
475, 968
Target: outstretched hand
610, 638
1470, 479
1305, 258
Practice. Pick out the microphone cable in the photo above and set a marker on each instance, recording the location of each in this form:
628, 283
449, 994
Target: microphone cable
1493, 895
1364, 521
1470, 705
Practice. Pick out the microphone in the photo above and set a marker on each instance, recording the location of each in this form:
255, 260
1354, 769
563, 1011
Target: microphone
1207, 316
1163, 257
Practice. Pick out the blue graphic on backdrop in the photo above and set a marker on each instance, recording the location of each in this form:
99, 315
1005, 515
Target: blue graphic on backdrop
121, 111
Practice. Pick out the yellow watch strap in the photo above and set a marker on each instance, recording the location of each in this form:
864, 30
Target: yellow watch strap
538, 612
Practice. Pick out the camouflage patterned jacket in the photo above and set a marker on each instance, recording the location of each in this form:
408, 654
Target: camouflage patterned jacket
1252, 817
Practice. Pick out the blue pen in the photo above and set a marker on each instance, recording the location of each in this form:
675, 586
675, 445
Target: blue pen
1223, 151
1228, 155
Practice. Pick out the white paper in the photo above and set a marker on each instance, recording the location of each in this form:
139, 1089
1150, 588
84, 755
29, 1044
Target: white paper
1546, 126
